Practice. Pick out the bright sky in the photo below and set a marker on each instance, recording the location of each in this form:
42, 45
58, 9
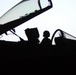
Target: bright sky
61, 16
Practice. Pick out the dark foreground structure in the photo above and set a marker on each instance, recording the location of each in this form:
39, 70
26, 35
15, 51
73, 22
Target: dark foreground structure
32, 57
23, 56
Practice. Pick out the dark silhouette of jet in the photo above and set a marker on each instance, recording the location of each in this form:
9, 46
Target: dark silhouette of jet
32, 55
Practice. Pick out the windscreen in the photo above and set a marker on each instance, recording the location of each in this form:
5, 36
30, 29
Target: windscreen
61, 33
23, 9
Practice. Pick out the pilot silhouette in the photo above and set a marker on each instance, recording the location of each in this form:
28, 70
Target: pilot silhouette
46, 41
